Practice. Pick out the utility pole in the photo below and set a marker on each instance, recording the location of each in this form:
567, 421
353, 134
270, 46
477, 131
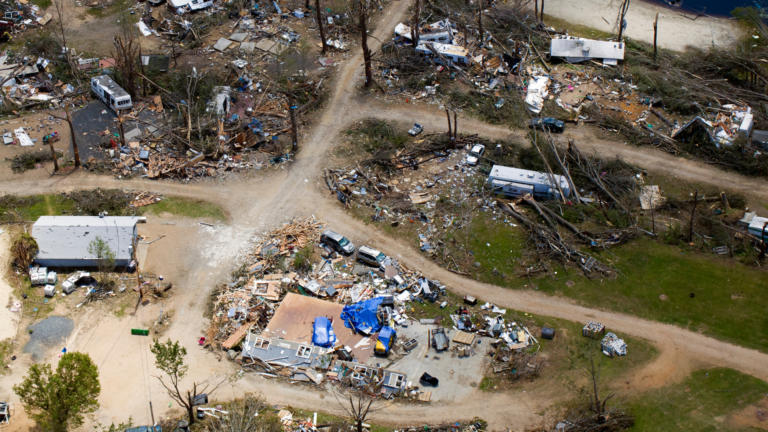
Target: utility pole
292, 109
653, 215
693, 212
655, 33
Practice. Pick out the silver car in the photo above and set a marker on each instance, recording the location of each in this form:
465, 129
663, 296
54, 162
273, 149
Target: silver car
371, 256
337, 242
474, 155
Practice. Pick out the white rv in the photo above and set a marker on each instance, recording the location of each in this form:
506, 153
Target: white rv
517, 182
193, 5
454, 53
110, 93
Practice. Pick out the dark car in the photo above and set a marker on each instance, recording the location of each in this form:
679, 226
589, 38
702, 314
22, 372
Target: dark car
427, 379
548, 123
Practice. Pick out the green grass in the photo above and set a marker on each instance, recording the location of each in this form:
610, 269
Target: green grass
32, 207
6, 348
651, 269
186, 207
42, 4
703, 402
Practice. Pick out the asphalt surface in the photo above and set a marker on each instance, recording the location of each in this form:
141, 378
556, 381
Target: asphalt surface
48, 333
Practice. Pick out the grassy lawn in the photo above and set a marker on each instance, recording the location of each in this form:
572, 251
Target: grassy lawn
13, 208
706, 401
728, 297
186, 207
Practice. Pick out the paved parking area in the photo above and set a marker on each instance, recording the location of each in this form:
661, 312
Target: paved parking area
457, 375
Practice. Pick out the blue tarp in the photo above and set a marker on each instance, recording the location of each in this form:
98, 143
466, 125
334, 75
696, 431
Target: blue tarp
361, 316
323, 334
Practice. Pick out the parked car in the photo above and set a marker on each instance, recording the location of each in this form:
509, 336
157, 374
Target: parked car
337, 242
371, 256
416, 129
474, 155
548, 123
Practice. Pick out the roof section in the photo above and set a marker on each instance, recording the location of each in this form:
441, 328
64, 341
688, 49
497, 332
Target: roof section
577, 49
296, 314
68, 237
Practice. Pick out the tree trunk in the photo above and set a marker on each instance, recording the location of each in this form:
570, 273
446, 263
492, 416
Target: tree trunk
320, 25
542, 11
292, 110
415, 24
75, 150
480, 23
655, 33
455, 126
447, 114
366, 50
120, 120
306, 5
359, 425
55, 159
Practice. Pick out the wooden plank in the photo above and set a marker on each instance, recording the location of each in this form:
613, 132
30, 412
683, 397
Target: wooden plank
237, 336
463, 337
425, 396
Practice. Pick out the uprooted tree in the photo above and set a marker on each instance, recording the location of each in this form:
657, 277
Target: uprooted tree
57, 401
243, 416
169, 358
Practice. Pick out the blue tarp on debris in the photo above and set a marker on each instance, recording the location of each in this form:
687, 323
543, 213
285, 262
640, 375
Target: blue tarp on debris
323, 334
361, 316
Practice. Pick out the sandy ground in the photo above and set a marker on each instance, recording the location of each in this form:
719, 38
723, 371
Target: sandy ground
8, 320
675, 31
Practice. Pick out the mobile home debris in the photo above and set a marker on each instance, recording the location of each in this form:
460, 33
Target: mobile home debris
576, 50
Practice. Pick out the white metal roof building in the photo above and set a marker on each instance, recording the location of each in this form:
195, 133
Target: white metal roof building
517, 182
64, 240
577, 50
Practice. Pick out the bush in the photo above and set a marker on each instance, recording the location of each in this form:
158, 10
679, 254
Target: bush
28, 160
23, 251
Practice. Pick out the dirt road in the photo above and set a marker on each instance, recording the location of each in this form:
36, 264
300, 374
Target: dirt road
256, 203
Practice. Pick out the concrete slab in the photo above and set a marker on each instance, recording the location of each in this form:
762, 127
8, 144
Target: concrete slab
238, 37
456, 374
247, 47
222, 44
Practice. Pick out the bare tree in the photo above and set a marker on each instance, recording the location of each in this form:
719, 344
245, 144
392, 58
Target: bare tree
623, 8
320, 25
60, 29
169, 358
357, 402
125, 54
68, 118
592, 368
481, 32
363, 15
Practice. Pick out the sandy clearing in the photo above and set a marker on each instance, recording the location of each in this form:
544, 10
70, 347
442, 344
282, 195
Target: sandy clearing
8, 320
675, 31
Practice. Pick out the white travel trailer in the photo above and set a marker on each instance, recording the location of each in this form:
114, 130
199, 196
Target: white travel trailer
110, 93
